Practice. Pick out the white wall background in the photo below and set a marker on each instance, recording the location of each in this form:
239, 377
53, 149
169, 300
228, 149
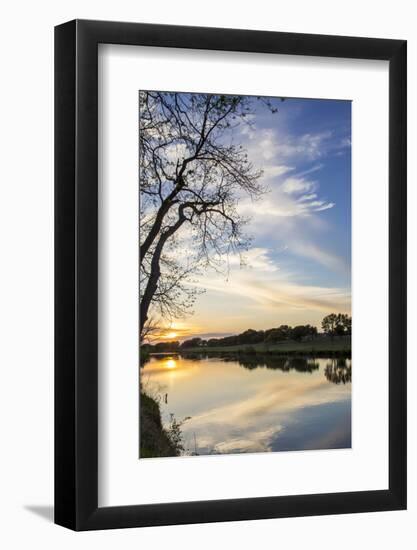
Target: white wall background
26, 286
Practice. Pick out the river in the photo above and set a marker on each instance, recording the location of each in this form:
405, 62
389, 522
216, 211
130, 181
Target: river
252, 403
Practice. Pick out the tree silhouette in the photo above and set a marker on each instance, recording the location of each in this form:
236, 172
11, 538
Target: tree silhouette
337, 323
192, 174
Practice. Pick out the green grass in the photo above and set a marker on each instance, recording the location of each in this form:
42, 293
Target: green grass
340, 345
154, 440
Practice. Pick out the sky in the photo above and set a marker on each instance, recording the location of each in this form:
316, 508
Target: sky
298, 267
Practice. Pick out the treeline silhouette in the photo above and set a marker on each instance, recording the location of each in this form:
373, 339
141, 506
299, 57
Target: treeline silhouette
248, 337
335, 324
251, 336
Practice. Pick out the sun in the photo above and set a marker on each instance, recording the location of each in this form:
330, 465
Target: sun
171, 335
171, 364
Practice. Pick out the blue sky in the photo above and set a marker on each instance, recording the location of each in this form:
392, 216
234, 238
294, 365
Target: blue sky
313, 138
298, 267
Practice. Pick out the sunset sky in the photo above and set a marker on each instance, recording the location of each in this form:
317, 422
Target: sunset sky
298, 267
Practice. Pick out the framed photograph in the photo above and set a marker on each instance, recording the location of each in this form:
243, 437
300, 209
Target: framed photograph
230, 247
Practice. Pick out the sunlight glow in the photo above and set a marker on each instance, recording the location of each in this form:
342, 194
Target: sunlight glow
170, 364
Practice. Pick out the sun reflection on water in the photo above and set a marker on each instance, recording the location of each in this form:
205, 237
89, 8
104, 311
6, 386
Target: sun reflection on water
170, 364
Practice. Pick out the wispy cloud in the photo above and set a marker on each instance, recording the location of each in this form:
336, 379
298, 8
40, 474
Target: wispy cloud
254, 259
295, 201
279, 295
262, 283
290, 193
310, 146
294, 186
314, 252
274, 170
270, 144
311, 170
280, 205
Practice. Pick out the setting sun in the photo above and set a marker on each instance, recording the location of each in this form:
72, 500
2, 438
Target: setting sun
171, 335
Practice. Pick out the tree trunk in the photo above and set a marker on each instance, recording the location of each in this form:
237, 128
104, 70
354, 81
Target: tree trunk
155, 273
166, 205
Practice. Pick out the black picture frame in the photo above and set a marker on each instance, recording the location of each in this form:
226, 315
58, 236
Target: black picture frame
76, 272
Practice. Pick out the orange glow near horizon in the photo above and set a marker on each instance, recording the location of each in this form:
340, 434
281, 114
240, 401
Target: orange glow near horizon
175, 331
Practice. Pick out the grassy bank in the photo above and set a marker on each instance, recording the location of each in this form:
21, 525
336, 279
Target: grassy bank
319, 347
154, 439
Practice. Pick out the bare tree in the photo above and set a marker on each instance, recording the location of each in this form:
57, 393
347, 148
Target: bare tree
192, 173
150, 331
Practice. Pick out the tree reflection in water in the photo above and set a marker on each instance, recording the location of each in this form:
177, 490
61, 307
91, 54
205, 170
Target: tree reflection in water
286, 364
254, 361
338, 371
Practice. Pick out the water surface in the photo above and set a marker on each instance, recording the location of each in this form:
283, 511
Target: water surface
250, 403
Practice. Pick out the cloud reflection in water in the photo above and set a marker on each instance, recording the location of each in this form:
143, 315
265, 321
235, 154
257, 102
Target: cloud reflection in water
281, 406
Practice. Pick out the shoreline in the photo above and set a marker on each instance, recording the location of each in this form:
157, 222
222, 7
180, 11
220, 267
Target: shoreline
154, 439
314, 348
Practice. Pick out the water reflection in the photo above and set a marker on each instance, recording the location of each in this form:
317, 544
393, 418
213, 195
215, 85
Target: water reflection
284, 363
339, 371
254, 403
170, 364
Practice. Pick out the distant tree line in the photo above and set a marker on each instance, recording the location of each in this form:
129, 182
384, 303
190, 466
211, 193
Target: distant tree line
250, 337
335, 324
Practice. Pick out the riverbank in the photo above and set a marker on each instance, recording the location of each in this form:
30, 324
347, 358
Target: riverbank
339, 347
154, 439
